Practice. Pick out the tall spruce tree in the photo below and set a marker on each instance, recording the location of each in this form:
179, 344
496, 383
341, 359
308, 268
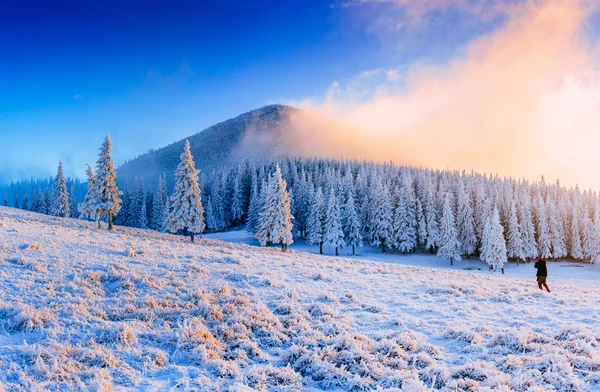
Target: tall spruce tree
334, 234
60, 194
465, 223
185, 205
351, 222
107, 201
449, 244
493, 250
275, 223
316, 219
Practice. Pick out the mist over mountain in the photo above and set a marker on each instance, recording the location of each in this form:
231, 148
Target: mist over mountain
255, 134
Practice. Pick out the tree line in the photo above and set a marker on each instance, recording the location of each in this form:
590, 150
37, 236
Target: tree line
348, 204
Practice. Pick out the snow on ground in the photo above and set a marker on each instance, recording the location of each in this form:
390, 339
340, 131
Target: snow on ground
137, 310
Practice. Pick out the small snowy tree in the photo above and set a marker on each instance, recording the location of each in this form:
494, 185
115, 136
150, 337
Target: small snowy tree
334, 235
86, 208
25, 204
557, 240
185, 205
160, 205
493, 248
449, 244
106, 200
316, 220
351, 223
275, 222
5, 200
60, 196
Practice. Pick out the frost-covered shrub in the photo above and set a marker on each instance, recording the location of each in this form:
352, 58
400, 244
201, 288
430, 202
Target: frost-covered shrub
25, 318
270, 378
512, 341
464, 335
120, 333
477, 371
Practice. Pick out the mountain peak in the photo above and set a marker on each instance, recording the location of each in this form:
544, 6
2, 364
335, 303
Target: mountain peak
219, 144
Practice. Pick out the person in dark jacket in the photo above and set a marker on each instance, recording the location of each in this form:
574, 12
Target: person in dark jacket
542, 273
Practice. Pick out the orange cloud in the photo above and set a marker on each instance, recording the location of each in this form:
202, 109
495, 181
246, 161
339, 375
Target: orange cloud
523, 101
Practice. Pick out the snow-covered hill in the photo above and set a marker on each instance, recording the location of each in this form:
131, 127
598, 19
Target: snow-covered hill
215, 146
134, 309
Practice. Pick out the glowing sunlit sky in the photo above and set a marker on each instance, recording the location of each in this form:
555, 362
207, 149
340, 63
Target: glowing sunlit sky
498, 86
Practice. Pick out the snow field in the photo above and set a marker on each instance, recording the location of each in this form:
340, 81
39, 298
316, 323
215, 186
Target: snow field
84, 308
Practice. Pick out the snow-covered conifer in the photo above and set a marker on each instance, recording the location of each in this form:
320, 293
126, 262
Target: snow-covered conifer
493, 249
465, 223
575, 248
275, 222
185, 205
316, 220
449, 244
514, 239
381, 216
404, 223
60, 195
25, 203
160, 205
106, 201
334, 234
542, 229
86, 208
254, 207
351, 223
557, 240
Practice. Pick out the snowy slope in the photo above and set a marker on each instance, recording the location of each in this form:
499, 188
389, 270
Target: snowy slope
133, 309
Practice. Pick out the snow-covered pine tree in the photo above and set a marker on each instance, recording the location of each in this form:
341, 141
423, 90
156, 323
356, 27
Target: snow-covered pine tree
25, 204
316, 220
17, 202
60, 195
72, 202
557, 240
160, 204
47, 202
254, 206
143, 215
404, 224
449, 244
465, 223
185, 205
86, 208
421, 224
351, 223
575, 248
334, 234
381, 216
238, 202
275, 222
527, 226
590, 239
514, 239
542, 229
6, 200
493, 248
35, 203
106, 201
431, 218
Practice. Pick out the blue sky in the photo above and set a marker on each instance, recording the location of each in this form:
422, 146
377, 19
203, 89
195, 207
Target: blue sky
150, 73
